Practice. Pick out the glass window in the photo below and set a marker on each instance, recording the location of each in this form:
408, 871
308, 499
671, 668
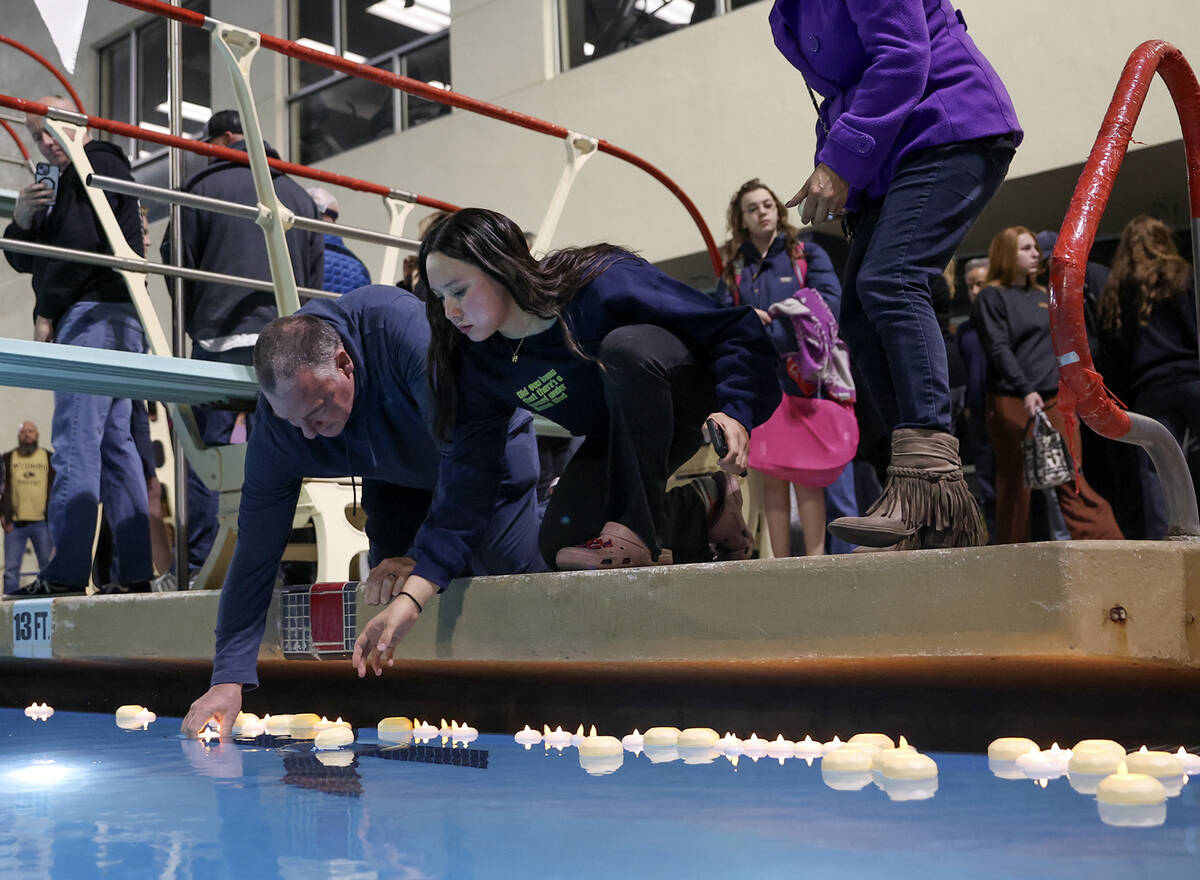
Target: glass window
133, 89
332, 112
592, 29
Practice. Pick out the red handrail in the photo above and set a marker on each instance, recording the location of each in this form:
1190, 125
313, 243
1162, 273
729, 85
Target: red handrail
50, 67
16, 139
441, 96
1080, 386
133, 131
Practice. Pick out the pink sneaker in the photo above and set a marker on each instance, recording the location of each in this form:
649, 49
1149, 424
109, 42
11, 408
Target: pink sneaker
616, 547
727, 531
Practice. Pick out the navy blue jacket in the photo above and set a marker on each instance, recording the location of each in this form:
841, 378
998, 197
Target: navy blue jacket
388, 438
344, 271
551, 380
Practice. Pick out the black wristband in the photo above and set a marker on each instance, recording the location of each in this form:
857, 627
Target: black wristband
414, 600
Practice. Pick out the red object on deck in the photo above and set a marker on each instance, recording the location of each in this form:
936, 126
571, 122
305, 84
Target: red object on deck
328, 617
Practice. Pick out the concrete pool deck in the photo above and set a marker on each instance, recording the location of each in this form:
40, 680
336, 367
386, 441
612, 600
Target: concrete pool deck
1073, 633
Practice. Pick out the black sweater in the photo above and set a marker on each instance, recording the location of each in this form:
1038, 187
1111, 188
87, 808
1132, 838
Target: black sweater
1164, 351
1014, 327
71, 223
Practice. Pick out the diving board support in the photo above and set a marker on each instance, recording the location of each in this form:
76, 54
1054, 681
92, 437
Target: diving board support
580, 148
398, 206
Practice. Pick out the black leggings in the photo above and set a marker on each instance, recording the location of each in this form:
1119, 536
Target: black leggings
658, 395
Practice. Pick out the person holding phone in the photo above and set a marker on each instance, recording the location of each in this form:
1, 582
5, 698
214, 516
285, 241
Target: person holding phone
95, 457
614, 350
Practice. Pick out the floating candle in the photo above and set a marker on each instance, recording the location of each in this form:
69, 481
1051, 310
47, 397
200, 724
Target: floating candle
1160, 765
848, 760
333, 738
1102, 745
397, 728
463, 733
278, 725
729, 744
661, 736
424, 730
845, 780
633, 742
1191, 763
578, 735
128, 711
879, 740
1135, 789
38, 713
145, 717
807, 748
1048, 764
754, 748
557, 738
593, 744
250, 725
1009, 748
832, 746
698, 738
1093, 761
527, 737
781, 748
903, 764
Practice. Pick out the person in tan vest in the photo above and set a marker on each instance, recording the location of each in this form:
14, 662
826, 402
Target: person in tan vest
27, 480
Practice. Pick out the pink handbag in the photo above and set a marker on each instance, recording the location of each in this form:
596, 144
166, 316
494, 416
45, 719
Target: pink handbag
807, 441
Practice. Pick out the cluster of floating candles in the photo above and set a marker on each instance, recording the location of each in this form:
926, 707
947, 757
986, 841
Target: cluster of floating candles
1131, 789
131, 717
38, 712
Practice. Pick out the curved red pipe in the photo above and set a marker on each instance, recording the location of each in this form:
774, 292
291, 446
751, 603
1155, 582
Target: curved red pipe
50, 67
1080, 386
204, 149
442, 96
16, 139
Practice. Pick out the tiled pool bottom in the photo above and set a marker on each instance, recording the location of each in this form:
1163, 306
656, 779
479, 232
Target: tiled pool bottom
80, 798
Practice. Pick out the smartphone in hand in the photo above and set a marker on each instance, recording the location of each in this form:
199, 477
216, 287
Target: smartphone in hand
716, 434
44, 172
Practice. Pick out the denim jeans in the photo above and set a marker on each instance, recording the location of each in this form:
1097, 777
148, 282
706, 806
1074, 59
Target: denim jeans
95, 459
900, 242
14, 548
216, 428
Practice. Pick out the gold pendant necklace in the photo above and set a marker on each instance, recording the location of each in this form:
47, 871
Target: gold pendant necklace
521, 341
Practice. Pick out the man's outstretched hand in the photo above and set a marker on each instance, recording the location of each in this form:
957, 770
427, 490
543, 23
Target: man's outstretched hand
222, 702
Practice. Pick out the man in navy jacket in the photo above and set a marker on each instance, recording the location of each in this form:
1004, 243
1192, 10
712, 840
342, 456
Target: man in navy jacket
365, 409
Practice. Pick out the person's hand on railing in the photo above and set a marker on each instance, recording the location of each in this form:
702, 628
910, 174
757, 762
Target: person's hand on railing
31, 201
1033, 404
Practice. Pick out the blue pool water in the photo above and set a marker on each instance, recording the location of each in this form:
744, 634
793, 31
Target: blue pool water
80, 798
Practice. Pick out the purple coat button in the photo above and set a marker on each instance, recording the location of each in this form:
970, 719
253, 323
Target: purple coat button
814, 44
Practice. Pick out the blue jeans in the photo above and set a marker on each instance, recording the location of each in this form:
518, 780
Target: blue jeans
216, 427
899, 243
14, 548
95, 459
840, 500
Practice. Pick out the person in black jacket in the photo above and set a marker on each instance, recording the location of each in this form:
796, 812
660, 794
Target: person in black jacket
1148, 313
223, 320
1012, 316
95, 458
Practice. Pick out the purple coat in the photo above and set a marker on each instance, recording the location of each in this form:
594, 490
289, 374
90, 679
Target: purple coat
897, 77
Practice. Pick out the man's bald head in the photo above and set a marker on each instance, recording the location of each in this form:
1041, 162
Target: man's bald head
42, 139
27, 437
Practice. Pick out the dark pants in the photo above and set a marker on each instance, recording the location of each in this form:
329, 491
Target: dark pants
1177, 406
216, 427
1087, 514
658, 396
508, 546
900, 242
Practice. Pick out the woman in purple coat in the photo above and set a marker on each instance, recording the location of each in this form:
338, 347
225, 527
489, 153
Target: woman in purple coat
913, 138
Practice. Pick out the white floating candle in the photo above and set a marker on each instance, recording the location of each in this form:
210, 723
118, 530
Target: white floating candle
807, 748
879, 740
1136, 789
730, 745
145, 717
593, 744
1009, 748
698, 738
1160, 765
1191, 763
424, 730
463, 733
600, 755
1094, 761
38, 713
394, 728
333, 738
1102, 745
848, 760
1050, 763
832, 746
278, 725
903, 764
557, 738
633, 742
781, 748
527, 737
754, 748
661, 736
127, 712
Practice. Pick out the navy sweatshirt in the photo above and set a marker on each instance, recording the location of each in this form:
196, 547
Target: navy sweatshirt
551, 380
1014, 326
387, 438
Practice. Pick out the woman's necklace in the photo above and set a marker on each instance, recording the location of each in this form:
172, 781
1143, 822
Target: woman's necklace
521, 341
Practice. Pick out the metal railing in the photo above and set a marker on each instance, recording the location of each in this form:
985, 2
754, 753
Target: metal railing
1081, 387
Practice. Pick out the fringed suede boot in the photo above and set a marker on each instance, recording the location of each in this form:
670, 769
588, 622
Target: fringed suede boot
925, 503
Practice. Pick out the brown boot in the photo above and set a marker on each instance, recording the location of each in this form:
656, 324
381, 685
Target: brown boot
925, 503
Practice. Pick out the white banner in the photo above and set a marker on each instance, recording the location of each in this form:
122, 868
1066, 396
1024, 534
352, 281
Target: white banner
64, 20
